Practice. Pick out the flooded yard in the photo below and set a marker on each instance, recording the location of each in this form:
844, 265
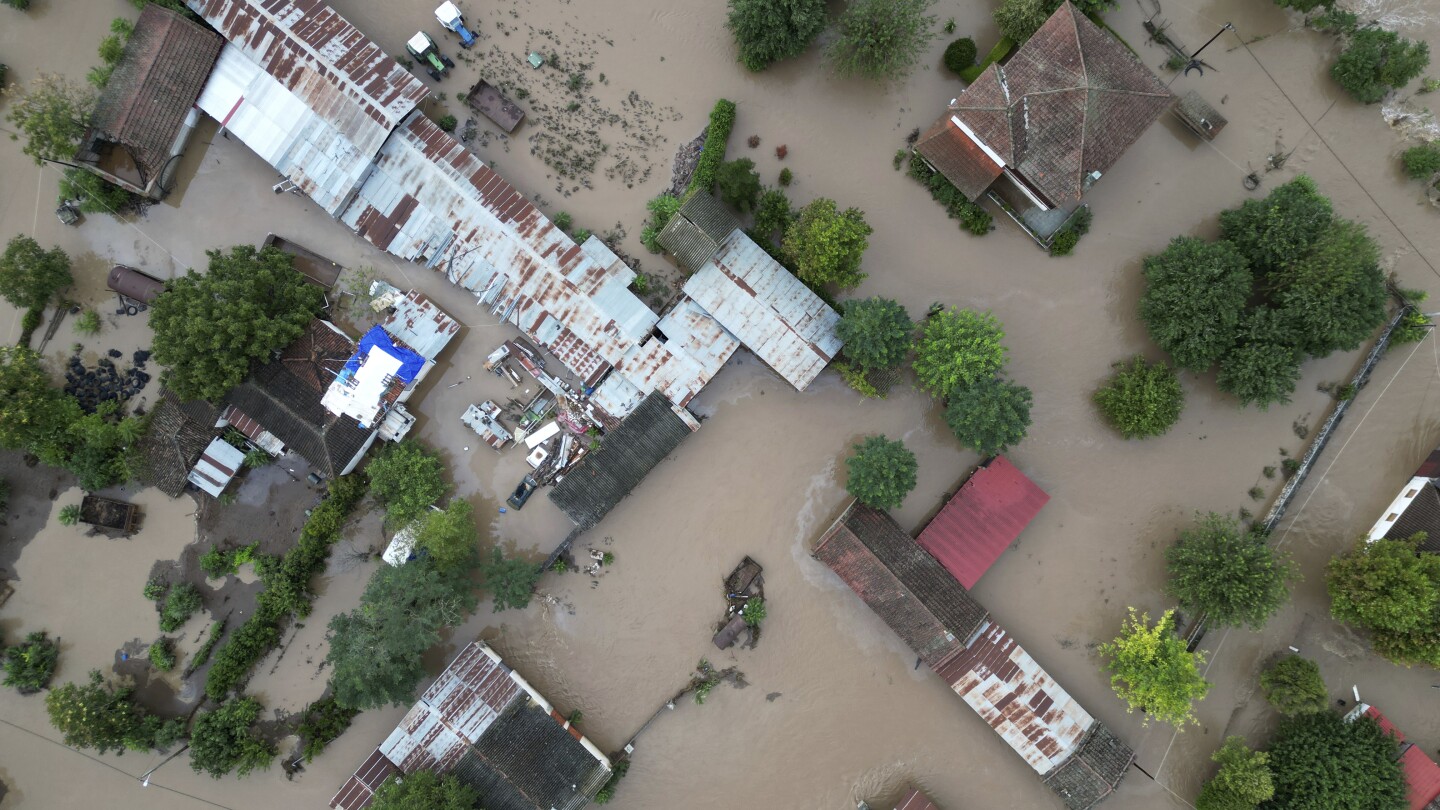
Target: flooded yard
834, 710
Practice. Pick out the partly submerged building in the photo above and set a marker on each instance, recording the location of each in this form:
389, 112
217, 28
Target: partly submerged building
983, 518
924, 604
1037, 132
912, 800
1415, 509
146, 112
1422, 774
482, 722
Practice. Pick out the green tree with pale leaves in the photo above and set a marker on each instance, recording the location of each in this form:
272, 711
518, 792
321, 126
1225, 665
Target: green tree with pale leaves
1151, 670
880, 39
825, 244
1140, 399
52, 116
1293, 686
958, 348
1244, 781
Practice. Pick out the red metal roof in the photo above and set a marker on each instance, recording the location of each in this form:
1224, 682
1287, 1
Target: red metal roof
1430, 467
1423, 776
982, 520
915, 800
1385, 724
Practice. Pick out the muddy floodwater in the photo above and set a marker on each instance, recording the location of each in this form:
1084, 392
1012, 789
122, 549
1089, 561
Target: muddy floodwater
834, 710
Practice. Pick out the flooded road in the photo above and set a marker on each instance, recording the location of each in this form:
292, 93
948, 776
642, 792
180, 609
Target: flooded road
852, 718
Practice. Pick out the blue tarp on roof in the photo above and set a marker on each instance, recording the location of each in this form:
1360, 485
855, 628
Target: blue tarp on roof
377, 338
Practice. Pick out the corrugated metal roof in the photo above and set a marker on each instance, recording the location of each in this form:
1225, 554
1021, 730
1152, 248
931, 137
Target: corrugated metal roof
431, 200
305, 90
772, 313
421, 325
216, 467
1018, 698
359, 789
1422, 775
915, 800
983, 518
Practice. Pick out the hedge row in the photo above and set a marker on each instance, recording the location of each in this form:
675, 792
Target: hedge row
1000, 51
287, 588
973, 218
712, 154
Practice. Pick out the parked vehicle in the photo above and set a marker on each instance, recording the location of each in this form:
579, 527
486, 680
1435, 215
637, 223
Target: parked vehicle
522, 493
450, 18
425, 51
69, 212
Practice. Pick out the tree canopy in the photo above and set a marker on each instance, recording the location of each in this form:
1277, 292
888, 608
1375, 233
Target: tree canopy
880, 473
210, 329
52, 116
1321, 762
1376, 61
31, 275
880, 39
825, 244
407, 478
510, 580
424, 790
957, 348
101, 715
1393, 590
1333, 297
225, 740
1151, 671
1274, 231
450, 536
1195, 292
375, 650
1264, 366
1018, 20
27, 401
1244, 780
877, 332
738, 184
989, 416
29, 664
1141, 400
1229, 574
1293, 686
768, 31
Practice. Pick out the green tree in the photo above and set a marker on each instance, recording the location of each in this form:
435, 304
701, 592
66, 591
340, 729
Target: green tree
511, 580
31, 275
1229, 574
768, 31
877, 332
29, 666
738, 183
96, 194
1151, 671
449, 537
1244, 780
989, 416
1321, 762
1421, 161
1141, 400
1264, 366
1333, 297
406, 477
52, 116
826, 244
772, 216
375, 650
225, 740
1018, 20
424, 790
29, 406
1293, 686
958, 348
959, 55
880, 39
209, 329
1376, 61
101, 715
1392, 589
880, 473
1194, 295
1279, 229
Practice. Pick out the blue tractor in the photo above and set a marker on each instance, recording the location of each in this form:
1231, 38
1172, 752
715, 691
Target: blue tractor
450, 19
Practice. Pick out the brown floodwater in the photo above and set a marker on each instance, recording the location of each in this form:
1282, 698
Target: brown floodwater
834, 711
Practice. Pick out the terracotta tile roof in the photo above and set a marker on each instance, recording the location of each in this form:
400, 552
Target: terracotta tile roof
915, 800
1094, 771
957, 156
177, 434
1068, 103
157, 81
902, 583
983, 518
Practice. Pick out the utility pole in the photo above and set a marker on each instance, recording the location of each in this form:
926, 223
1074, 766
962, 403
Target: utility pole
1195, 57
145, 777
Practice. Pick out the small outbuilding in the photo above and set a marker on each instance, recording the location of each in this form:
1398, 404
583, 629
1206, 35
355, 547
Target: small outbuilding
217, 467
1197, 114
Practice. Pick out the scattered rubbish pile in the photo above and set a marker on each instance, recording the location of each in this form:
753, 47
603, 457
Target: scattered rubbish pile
744, 586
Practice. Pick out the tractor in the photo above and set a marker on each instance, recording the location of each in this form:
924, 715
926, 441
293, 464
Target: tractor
423, 48
450, 20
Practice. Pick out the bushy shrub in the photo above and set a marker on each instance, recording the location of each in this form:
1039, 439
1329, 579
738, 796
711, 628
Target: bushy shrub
88, 323
972, 217
712, 153
161, 656
959, 54
70, 515
96, 194
1064, 243
562, 221
880, 473
447, 123
1294, 686
1376, 61
180, 604
323, 723
661, 209
786, 177
30, 665
1421, 161
1141, 400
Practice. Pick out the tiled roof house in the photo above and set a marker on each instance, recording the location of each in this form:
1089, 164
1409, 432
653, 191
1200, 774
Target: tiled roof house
144, 116
1043, 127
177, 434
1416, 509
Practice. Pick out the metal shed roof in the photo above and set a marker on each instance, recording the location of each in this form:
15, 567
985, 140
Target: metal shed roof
421, 325
216, 467
1018, 698
772, 313
305, 90
696, 231
983, 518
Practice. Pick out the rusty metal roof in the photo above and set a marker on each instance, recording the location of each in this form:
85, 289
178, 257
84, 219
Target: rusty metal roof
305, 90
1018, 698
772, 313
695, 232
915, 800
431, 200
421, 325
359, 789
